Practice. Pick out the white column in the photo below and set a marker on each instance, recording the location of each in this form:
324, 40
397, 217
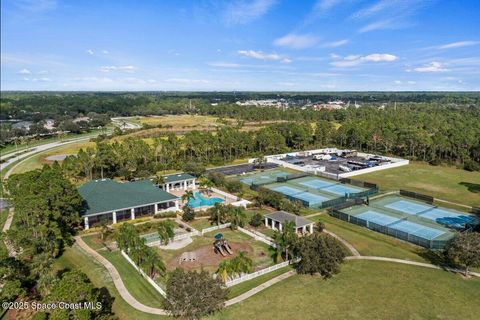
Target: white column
193, 184
185, 185
167, 186
311, 228
280, 227
114, 217
176, 205
157, 206
266, 222
304, 229
132, 211
86, 223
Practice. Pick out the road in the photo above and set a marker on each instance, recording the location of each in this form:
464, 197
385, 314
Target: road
123, 123
32, 151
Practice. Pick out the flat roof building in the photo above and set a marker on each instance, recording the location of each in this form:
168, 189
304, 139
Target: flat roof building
277, 219
114, 201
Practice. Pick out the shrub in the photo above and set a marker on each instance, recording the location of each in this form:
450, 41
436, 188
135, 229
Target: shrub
234, 186
188, 214
319, 226
192, 295
471, 165
256, 220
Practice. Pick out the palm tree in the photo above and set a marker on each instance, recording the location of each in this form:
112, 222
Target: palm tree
236, 216
284, 240
152, 263
243, 263
224, 269
187, 196
218, 213
166, 231
159, 179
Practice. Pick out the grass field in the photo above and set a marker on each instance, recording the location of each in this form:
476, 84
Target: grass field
365, 290
371, 243
38, 160
448, 183
75, 258
180, 121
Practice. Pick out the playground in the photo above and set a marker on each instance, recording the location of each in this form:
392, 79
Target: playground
207, 251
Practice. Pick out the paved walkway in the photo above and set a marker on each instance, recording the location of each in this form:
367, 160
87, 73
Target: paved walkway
345, 243
117, 280
412, 263
6, 226
259, 288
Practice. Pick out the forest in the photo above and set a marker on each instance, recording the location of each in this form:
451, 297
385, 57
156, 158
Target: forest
434, 127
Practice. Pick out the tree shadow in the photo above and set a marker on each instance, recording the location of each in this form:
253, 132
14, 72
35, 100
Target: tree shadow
472, 187
435, 257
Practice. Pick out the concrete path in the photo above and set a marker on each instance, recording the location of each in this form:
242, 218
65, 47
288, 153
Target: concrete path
117, 280
6, 226
412, 263
345, 243
259, 288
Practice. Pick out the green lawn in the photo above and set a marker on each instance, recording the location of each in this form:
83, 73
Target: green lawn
200, 224
365, 290
134, 282
38, 160
247, 285
75, 258
372, 243
447, 183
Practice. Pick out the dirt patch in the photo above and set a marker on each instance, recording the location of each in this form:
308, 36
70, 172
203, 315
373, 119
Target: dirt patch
206, 257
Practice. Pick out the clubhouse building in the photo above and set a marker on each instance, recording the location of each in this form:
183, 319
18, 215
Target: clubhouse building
178, 181
277, 219
113, 201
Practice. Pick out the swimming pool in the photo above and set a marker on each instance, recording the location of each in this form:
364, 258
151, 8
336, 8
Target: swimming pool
201, 201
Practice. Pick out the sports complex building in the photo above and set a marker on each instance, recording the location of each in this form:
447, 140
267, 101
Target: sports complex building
114, 201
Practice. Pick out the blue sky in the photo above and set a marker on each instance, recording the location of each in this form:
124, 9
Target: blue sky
323, 45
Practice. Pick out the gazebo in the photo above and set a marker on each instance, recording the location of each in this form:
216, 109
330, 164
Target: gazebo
277, 219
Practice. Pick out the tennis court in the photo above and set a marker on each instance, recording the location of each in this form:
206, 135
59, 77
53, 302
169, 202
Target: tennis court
312, 191
408, 219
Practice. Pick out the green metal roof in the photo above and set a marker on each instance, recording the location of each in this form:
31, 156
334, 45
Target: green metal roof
178, 177
107, 195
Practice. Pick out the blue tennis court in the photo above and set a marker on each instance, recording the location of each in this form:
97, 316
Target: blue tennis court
289, 191
340, 189
417, 229
248, 181
447, 217
317, 184
408, 207
378, 218
311, 198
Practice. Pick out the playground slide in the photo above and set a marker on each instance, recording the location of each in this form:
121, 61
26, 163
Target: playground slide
228, 248
221, 251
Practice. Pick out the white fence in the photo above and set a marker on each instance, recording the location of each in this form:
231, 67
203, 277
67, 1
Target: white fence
259, 237
149, 280
175, 238
221, 226
238, 202
256, 274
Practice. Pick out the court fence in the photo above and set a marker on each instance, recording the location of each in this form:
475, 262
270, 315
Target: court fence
427, 243
417, 196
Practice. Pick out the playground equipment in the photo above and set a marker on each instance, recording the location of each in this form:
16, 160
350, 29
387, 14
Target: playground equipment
220, 245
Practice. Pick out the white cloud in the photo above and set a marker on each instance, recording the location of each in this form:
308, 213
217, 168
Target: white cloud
43, 72
105, 52
24, 71
263, 56
41, 80
458, 44
128, 69
90, 52
336, 44
242, 12
433, 66
324, 5
36, 5
354, 60
296, 41
220, 64
378, 25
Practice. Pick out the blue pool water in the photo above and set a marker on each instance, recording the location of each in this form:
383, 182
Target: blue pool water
200, 201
